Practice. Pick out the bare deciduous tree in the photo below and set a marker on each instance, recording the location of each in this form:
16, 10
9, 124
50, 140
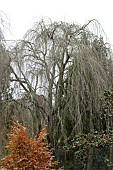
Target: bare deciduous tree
71, 67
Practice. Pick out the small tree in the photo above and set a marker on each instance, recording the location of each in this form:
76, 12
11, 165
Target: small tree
27, 153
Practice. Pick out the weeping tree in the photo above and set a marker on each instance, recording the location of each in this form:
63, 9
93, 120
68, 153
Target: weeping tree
70, 66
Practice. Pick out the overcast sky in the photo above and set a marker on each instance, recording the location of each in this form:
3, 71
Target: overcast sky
23, 13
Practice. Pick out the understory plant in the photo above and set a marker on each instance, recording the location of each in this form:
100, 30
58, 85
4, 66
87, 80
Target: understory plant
27, 153
82, 143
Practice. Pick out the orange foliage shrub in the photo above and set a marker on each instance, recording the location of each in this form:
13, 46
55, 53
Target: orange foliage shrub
27, 153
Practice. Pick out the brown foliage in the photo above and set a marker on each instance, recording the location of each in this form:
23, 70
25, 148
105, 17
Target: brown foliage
27, 153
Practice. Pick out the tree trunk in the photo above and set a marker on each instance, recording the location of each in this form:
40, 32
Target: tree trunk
90, 154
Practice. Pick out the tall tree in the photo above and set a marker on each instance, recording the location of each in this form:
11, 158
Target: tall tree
71, 67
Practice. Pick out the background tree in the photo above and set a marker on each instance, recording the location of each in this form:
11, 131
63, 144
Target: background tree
4, 82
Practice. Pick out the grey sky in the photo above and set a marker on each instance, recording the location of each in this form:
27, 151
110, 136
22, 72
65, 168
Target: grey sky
23, 13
